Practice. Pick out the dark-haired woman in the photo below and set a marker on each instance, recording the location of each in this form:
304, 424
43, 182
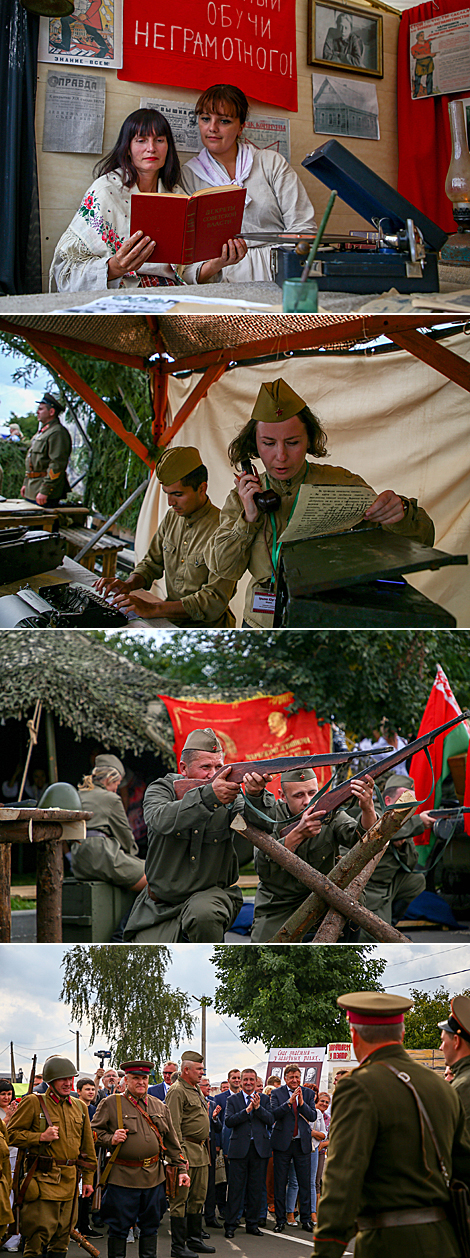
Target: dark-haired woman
96, 251
276, 201
281, 432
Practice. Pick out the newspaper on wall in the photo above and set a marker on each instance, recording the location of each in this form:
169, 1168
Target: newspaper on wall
440, 55
90, 36
262, 131
74, 112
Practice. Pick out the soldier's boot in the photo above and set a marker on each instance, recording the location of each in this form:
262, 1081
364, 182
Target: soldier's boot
117, 1246
148, 1246
195, 1242
178, 1239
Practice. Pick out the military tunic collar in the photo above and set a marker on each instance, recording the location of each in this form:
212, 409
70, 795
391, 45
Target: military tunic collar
462, 1066
189, 520
136, 1101
59, 1100
285, 487
392, 1049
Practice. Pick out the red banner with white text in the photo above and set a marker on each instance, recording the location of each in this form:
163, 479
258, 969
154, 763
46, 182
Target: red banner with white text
250, 43
253, 729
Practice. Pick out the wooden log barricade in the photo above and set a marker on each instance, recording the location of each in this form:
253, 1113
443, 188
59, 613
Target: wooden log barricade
46, 827
340, 891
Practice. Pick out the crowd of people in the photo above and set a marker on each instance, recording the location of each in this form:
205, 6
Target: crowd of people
247, 1152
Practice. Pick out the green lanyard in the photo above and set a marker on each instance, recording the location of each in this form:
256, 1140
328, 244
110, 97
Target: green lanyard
276, 546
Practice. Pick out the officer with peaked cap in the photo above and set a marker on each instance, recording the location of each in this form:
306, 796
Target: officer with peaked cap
45, 479
189, 1111
109, 853
317, 842
54, 1130
395, 881
281, 432
137, 1131
179, 550
383, 1175
455, 1044
191, 865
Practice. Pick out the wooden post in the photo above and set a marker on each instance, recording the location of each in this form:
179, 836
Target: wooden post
5, 892
49, 892
332, 924
325, 889
51, 748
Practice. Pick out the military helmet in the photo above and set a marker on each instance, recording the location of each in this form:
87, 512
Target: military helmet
60, 795
58, 1068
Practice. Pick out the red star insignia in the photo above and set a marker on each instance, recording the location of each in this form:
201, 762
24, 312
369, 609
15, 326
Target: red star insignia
279, 411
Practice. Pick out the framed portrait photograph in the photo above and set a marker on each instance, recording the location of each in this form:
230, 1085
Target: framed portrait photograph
346, 38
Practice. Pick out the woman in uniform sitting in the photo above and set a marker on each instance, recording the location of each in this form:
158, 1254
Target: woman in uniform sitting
96, 251
281, 432
109, 852
276, 201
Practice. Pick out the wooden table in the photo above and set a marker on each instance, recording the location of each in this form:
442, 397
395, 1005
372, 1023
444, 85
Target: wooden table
68, 571
16, 513
44, 826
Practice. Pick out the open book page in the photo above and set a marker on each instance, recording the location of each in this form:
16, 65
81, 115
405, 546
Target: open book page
324, 509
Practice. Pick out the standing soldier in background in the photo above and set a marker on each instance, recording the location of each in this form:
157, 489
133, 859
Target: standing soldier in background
189, 1111
45, 479
138, 1132
455, 1044
54, 1129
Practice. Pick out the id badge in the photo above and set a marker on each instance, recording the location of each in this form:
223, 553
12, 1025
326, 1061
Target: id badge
264, 602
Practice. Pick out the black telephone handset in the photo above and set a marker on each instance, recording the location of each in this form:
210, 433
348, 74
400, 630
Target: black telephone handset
267, 500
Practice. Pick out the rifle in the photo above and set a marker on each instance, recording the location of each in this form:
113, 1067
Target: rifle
237, 771
333, 799
17, 1175
439, 814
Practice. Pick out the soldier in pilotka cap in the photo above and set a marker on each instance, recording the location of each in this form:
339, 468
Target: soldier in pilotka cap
455, 1044
45, 481
282, 431
317, 842
54, 1130
383, 1177
191, 866
190, 1114
109, 852
179, 550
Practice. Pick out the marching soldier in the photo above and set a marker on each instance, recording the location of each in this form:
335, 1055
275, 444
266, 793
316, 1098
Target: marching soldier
138, 1132
45, 479
317, 842
190, 1115
383, 1176
191, 865
54, 1129
455, 1044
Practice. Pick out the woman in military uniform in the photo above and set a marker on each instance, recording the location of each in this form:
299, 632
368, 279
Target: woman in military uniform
109, 852
282, 431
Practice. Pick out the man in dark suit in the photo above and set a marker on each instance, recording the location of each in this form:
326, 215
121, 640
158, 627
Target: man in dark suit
160, 1089
249, 1117
293, 1108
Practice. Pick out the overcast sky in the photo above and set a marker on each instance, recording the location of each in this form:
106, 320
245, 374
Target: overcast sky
14, 397
36, 1021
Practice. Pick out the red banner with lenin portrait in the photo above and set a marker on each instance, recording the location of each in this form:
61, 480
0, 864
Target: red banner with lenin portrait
253, 729
250, 43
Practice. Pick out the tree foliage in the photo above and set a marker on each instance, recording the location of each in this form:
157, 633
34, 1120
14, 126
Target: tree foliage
359, 676
122, 994
421, 1023
12, 456
286, 996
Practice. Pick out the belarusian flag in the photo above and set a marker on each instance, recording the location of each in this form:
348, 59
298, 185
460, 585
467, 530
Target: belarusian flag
441, 706
466, 799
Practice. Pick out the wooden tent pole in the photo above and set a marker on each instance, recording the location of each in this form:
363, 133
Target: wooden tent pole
437, 356
5, 892
51, 747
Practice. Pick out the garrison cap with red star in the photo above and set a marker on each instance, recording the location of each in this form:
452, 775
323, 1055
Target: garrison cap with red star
276, 402
202, 740
298, 775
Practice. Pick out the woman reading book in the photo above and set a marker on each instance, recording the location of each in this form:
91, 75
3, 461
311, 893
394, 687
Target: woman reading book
281, 432
276, 200
97, 251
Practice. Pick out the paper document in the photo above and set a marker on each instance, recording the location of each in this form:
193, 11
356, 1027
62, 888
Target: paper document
324, 509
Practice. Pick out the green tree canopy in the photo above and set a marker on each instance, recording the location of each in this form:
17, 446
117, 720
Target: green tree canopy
359, 676
286, 996
121, 992
421, 1023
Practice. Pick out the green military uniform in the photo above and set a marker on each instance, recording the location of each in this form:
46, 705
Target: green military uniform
142, 1144
190, 1117
49, 1208
6, 1212
191, 865
377, 1165
112, 854
461, 1082
46, 462
279, 894
395, 878
458, 1023
180, 549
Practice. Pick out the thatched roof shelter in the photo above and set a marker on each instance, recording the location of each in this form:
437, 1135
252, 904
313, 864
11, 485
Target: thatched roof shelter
97, 692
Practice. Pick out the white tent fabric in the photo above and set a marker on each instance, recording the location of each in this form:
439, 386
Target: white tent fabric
397, 422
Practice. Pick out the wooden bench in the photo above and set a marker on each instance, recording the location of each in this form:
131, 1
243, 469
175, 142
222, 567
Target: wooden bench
107, 548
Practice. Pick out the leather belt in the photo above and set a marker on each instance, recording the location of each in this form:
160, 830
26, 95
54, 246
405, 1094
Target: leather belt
401, 1218
139, 1161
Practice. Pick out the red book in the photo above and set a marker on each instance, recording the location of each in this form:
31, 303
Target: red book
188, 229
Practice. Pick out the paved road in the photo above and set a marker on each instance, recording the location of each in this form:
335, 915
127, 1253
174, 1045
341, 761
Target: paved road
243, 1246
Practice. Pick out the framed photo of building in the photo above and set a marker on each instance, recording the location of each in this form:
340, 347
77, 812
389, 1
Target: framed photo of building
345, 38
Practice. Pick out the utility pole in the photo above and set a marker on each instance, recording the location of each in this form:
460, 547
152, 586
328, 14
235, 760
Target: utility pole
204, 1002
12, 1064
77, 1052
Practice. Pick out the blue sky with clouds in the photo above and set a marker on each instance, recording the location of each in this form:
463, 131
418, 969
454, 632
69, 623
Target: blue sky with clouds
36, 1021
14, 397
